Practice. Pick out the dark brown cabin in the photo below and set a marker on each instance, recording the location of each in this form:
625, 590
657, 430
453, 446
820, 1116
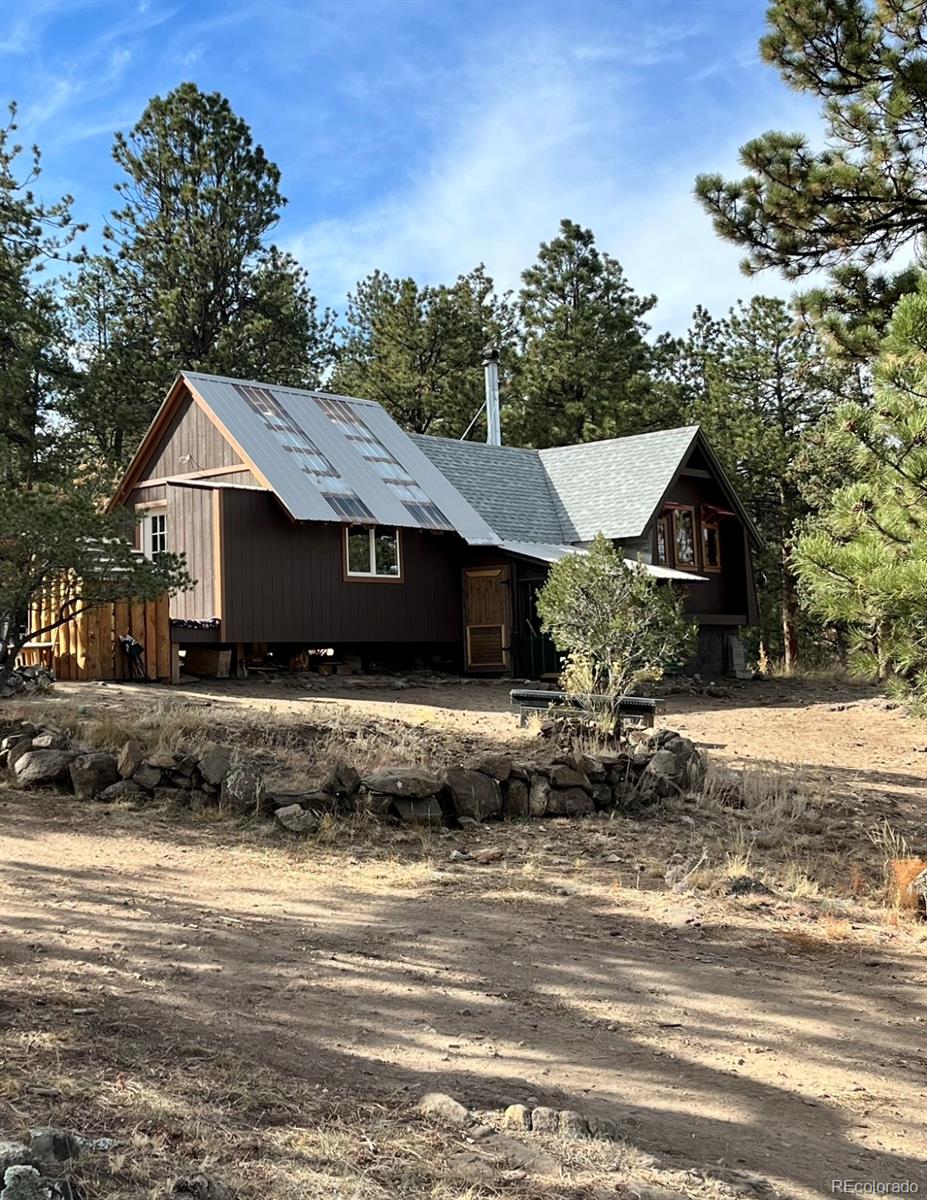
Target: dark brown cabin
312, 521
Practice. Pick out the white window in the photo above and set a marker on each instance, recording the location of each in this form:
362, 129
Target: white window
154, 534
372, 553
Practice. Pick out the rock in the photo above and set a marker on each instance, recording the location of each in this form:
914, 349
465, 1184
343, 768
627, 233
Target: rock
746, 885
24, 1183
19, 747
592, 766
520, 771
92, 774
201, 1187
515, 798
124, 789
243, 788
50, 740
177, 779
488, 854
147, 776
472, 1167
409, 783
572, 1124
420, 812
295, 818
496, 766
517, 1116
14, 1154
545, 1120
602, 1127
441, 1107
377, 803
163, 760
215, 762
54, 1148
341, 780
474, 794
42, 768
563, 776
131, 757
539, 796
569, 802
602, 797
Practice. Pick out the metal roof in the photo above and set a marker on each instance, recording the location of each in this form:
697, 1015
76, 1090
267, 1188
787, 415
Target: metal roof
336, 458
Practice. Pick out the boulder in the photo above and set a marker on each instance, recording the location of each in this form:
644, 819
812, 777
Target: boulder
592, 766
442, 1107
539, 796
19, 747
377, 803
93, 773
602, 1127
569, 802
147, 776
602, 796
572, 1124
164, 760
420, 812
515, 798
131, 757
243, 788
51, 739
545, 1120
177, 779
215, 762
296, 819
14, 1154
42, 768
409, 783
496, 766
25, 1183
54, 1148
517, 1116
341, 780
564, 776
124, 789
474, 794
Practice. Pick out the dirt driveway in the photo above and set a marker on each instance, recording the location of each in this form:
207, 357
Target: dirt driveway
757, 1035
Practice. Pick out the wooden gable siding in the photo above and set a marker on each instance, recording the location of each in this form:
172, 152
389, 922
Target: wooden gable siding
190, 529
727, 592
284, 581
189, 435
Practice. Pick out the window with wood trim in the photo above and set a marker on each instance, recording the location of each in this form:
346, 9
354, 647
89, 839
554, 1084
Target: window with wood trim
371, 553
684, 545
711, 546
663, 548
154, 534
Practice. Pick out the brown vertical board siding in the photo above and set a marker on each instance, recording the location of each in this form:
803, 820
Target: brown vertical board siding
107, 642
163, 635
120, 627
189, 433
150, 641
284, 582
190, 529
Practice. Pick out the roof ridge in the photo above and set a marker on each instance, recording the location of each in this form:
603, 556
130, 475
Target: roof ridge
625, 437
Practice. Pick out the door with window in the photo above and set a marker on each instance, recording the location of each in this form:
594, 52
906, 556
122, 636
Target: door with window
487, 618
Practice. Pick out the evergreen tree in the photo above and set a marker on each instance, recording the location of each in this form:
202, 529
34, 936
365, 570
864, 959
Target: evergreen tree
583, 371
193, 281
854, 203
862, 561
34, 365
760, 383
418, 351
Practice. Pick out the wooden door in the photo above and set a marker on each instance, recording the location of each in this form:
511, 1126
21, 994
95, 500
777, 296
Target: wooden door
487, 618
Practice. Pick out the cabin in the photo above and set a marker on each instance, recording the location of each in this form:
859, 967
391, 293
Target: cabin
313, 522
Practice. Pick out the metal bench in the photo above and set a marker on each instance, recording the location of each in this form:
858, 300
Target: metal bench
640, 708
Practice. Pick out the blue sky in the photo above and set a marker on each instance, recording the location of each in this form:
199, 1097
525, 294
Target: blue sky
425, 137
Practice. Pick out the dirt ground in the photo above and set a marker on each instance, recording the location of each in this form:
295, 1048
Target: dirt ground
162, 978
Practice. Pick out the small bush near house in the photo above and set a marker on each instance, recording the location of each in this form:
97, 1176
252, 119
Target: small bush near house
619, 626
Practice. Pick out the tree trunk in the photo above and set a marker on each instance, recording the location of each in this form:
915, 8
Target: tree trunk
789, 614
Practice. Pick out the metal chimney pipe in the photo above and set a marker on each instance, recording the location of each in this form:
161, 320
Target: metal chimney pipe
493, 423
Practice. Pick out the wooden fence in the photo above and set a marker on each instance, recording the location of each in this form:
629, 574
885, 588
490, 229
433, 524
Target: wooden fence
88, 646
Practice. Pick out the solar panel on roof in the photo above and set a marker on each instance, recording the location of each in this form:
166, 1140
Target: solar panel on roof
414, 498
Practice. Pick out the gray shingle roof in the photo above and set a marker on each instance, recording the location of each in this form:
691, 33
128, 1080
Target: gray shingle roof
566, 494
613, 487
506, 485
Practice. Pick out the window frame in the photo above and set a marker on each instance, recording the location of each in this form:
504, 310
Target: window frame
663, 523
694, 564
371, 576
147, 513
706, 524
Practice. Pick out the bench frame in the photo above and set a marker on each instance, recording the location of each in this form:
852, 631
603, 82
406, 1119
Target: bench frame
642, 708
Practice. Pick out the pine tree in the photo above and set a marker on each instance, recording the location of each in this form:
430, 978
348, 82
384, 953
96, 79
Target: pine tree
583, 372
853, 204
193, 280
418, 350
862, 562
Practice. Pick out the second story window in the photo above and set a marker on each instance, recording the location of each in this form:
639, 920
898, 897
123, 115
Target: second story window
684, 544
154, 533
